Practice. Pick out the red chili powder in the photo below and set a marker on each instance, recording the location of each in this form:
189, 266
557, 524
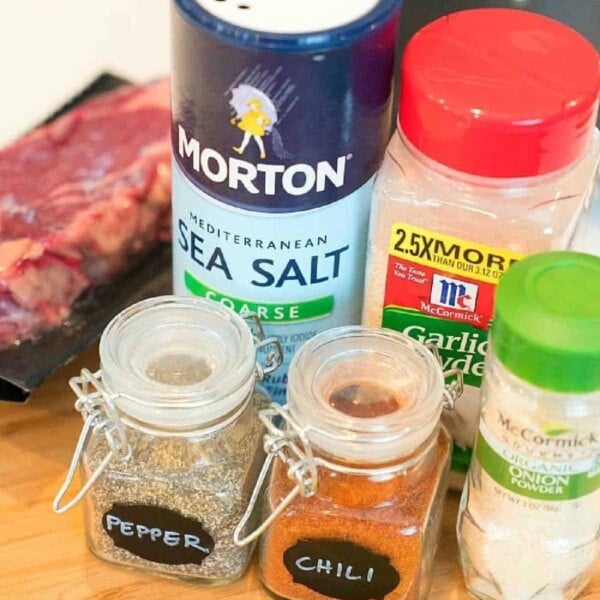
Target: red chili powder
396, 516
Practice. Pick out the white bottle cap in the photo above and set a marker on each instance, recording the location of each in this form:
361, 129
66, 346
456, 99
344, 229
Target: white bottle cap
288, 17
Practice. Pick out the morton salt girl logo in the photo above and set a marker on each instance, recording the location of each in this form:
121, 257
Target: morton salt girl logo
259, 163
255, 116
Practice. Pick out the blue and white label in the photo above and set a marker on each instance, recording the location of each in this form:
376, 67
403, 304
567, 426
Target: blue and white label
275, 147
273, 131
301, 273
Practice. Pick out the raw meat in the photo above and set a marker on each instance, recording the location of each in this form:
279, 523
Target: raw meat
79, 199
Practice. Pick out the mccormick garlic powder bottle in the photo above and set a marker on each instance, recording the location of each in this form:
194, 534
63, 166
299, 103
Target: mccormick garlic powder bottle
494, 159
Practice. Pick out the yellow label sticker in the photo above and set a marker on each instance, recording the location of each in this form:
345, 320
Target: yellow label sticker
450, 254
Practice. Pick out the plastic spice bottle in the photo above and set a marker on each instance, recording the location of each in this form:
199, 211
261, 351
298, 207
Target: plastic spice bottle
530, 513
171, 443
355, 498
494, 159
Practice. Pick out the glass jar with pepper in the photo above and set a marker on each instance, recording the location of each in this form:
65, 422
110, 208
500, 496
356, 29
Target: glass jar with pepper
354, 502
171, 442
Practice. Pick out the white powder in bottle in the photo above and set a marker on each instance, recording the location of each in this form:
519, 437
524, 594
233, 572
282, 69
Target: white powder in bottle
529, 521
517, 547
512, 222
487, 167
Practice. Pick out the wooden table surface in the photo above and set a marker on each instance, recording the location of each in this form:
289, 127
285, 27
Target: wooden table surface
43, 555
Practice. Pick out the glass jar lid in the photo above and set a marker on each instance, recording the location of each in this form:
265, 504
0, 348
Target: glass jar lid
178, 362
365, 395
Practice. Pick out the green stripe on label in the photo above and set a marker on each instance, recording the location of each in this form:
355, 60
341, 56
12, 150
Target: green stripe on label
461, 459
462, 346
268, 312
534, 484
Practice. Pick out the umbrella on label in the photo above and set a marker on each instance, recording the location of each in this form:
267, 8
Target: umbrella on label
255, 115
244, 95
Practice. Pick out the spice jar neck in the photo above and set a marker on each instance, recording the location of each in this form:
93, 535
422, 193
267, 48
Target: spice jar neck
191, 424
366, 396
513, 187
534, 402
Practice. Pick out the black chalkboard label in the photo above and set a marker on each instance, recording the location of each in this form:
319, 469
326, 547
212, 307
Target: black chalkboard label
341, 570
157, 534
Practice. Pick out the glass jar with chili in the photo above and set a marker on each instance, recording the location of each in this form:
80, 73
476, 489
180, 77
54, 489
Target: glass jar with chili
354, 503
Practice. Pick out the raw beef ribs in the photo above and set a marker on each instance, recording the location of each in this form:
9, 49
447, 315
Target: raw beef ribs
79, 199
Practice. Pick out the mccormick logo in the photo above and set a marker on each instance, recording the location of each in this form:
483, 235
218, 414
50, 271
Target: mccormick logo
453, 293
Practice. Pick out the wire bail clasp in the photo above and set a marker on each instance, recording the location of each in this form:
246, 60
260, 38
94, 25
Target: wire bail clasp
454, 380
274, 357
99, 417
290, 445
255, 324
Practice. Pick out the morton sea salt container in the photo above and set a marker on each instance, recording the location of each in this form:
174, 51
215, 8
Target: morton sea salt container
281, 112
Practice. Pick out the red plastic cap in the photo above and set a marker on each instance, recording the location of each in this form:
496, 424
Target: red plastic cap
500, 93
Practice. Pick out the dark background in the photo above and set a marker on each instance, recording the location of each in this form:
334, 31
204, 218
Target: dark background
583, 15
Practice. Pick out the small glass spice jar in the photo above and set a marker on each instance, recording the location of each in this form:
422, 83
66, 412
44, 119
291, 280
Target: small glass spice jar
529, 520
171, 443
494, 159
354, 502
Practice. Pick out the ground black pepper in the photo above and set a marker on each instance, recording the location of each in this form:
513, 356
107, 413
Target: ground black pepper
204, 477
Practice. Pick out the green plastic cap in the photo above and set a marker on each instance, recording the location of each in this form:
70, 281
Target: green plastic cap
546, 327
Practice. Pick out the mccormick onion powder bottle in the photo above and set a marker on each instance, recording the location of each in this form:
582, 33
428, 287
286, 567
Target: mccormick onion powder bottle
530, 513
281, 113
494, 159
